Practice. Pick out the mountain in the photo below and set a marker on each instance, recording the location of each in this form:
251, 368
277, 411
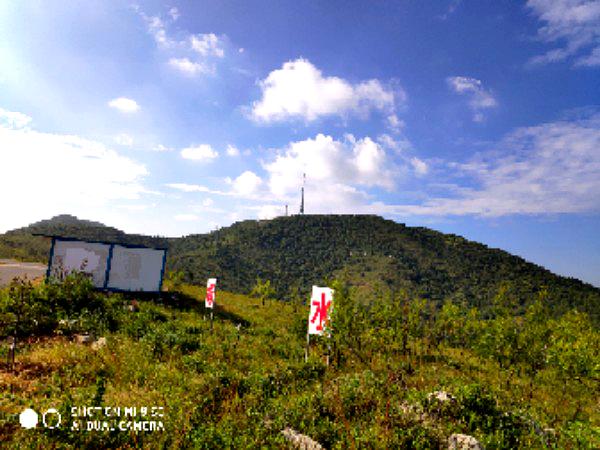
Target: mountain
369, 252
25, 244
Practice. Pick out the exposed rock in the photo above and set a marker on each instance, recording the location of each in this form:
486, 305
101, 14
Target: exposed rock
83, 338
414, 412
463, 442
101, 342
300, 441
441, 396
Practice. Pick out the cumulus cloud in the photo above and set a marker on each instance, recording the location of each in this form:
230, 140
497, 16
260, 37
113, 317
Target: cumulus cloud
420, 166
394, 123
232, 151
266, 212
64, 173
480, 99
399, 145
546, 169
190, 68
327, 161
190, 54
202, 152
300, 90
574, 25
123, 139
162, 148
156, 27
13, 119
188, 187
124, 105
247, 183
174, 13
207, 45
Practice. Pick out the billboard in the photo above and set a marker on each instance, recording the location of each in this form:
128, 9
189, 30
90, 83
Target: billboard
136, 269
88, 257
111, 266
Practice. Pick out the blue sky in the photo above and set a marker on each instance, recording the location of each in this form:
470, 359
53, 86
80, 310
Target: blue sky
476, 118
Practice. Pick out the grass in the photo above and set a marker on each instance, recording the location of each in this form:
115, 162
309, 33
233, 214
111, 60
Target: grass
240, 381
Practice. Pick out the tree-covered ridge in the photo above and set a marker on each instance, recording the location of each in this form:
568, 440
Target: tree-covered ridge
298, 251
369, 251
24, 244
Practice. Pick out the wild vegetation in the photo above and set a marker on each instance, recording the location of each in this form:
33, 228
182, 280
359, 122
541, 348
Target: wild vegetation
367, 251
509, 378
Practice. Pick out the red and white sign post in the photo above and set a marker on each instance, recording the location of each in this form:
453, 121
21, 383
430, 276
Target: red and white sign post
209, 301
321, 303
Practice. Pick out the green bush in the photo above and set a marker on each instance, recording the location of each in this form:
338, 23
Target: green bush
67, 306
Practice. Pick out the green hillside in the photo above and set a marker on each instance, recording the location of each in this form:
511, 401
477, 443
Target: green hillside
24, 244
367, 251
398, 377
296, 252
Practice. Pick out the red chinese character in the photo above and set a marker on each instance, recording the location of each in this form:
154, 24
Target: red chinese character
210, 294
321, 311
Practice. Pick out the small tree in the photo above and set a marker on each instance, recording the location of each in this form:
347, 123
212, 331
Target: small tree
263, 290
175, 278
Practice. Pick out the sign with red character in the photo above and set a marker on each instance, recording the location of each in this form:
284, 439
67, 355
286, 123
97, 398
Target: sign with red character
320, 309
211, 287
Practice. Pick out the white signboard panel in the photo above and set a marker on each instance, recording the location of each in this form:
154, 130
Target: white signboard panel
320, 309
87, 257
136, 269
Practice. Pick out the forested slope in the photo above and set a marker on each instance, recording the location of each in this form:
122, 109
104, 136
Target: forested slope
298, 251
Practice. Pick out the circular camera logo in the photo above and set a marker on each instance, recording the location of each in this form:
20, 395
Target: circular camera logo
28, 418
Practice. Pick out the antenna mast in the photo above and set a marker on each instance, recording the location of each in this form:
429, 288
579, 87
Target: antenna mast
302, 194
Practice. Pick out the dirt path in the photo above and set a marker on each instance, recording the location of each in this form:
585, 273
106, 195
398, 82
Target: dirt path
10, 269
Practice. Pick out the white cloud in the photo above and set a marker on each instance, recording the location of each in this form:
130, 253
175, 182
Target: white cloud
207, 202
162, 148
12, 119
546, 169
573, 23
299, 90
191, 54
188, 187
266, 212
479, 98
395, 124
207, 45
123, 139
124, 105
202, 152
420, 166
247, 183
174, 13
232, 151
330, 166
65, 173
190, 68
156, 28
398, 145
186, 217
